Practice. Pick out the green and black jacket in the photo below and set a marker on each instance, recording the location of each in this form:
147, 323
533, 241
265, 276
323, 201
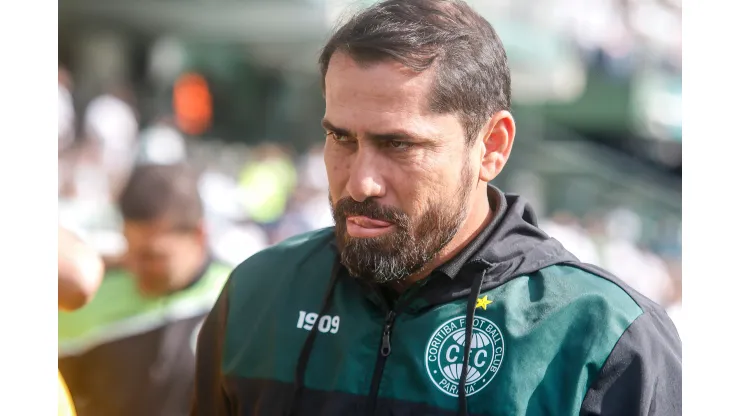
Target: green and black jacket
514, 325
128, 355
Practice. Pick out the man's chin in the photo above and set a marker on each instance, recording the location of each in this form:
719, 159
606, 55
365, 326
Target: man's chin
383, 244
375, 265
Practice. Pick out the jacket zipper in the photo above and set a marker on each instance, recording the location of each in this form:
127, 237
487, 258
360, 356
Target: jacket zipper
383, 353
385, 340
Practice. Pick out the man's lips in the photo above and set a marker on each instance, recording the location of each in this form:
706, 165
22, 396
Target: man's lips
367, 222
365, 227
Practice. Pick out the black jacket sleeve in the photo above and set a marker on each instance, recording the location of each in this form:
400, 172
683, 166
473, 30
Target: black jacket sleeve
210, 398
642, 375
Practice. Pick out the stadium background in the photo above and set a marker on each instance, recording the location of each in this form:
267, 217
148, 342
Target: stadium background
233, 88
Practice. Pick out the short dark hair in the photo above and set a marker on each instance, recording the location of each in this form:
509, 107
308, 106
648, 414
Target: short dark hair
168, 192
472, 71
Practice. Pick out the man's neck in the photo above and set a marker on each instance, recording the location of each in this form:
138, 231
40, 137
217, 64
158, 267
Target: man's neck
479, 216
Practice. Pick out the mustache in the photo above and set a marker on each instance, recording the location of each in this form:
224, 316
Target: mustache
348, 207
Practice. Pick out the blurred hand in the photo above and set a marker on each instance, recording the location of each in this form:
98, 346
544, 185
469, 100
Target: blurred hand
80, 271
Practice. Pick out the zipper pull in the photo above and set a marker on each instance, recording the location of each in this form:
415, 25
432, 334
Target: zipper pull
385, 349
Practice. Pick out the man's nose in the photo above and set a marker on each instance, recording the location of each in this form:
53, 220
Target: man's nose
366, 180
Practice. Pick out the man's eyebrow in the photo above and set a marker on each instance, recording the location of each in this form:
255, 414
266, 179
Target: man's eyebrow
396, 135
326, 124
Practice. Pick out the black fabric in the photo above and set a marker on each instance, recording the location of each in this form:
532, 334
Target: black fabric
148, 374
269, 397
642, 375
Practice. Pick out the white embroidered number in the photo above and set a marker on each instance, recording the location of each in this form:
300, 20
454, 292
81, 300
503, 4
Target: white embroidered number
325, 324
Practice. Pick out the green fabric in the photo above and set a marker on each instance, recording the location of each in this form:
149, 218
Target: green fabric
119, 310
540, 342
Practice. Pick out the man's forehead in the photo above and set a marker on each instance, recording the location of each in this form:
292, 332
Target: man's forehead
383, 97
386, 84
149, 228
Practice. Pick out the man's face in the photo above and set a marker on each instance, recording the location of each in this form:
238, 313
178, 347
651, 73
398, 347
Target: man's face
400, 176
161, 259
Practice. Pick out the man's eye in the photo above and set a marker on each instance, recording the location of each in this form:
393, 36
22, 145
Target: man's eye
338, 137
400, 145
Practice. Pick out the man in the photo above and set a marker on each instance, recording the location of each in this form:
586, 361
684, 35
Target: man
131, 350
435, 293
79, 276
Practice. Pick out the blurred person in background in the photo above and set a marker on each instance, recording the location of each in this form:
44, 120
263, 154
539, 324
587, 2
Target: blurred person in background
162, 143
307, 209
232, 235
86, 178
66, 133
267, 183
435, 293
65, 107
97, 165
111, 126
80, 271
130, 351
313, 183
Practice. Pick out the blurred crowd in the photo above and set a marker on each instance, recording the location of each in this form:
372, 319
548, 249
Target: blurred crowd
617, 35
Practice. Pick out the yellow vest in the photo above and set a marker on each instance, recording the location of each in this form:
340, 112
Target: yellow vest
65, 406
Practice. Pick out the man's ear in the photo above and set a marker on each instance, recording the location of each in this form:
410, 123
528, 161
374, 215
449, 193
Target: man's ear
498, 137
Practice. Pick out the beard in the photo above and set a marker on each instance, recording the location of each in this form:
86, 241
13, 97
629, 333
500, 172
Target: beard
409, 247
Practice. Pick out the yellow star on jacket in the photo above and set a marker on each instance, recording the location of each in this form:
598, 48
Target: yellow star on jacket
483, 302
